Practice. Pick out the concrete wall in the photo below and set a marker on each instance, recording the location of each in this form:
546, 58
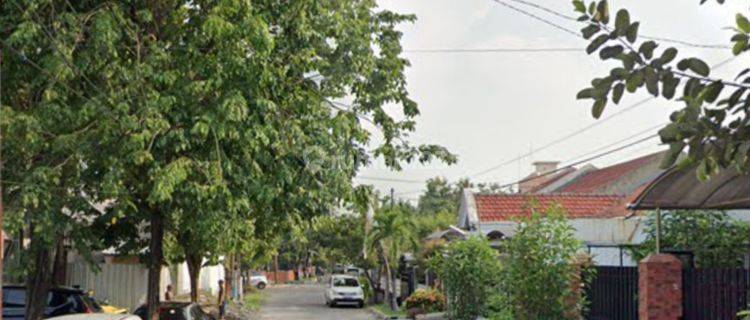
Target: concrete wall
601, 235
125, 284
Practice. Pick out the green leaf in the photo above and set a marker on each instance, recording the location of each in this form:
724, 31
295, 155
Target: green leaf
602, 12
742, 23
585, 93
634, 81
598, 108
579, 6
668, 55
669, 86
699, 67
589, 31
652, 81
684, 64
669, 133
712, 92
622, 22
598, 42
628, 61
610, 52
617, 92
647, 49
632, 33
739, 47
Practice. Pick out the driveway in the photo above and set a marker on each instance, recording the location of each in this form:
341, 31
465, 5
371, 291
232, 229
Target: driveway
305, 302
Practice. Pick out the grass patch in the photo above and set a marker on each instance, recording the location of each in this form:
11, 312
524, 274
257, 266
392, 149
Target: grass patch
254, 299
385, 309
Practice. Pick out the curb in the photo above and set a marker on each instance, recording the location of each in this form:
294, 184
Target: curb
377, 313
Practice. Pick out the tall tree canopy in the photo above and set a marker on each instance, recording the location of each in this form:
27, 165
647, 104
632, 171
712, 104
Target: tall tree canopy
174, 110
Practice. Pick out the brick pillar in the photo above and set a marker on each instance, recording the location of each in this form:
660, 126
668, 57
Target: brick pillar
660, 288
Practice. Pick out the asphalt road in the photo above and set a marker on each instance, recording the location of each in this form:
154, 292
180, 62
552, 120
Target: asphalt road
305, 302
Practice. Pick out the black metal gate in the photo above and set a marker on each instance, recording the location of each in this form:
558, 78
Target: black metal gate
613, 294
714, 294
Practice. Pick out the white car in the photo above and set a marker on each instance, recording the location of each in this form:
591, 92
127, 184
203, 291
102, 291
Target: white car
344, 289
258, 280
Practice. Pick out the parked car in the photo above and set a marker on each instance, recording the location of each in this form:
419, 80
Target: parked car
97, 316
176, 311
61, 301
258, 280
354, 271
344, 289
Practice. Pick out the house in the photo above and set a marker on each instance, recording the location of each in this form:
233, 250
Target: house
594, 199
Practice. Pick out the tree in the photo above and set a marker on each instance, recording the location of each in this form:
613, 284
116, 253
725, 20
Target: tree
715, 239
440, 196
538, 269
469, 271
161, 105
713, 122
391, 234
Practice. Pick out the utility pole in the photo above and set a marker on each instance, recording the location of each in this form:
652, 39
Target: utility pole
392, 198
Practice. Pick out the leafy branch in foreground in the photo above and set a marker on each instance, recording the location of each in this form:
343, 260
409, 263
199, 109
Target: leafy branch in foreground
714, 121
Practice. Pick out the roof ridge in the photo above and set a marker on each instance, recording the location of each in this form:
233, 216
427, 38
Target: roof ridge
561, 194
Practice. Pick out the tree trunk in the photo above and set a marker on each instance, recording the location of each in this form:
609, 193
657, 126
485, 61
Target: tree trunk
388, 286
194, 263
154, 269
38, 281
394, 296
276, 269
368, 277
60, 265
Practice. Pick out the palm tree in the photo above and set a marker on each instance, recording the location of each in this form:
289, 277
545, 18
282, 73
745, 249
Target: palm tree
391, 235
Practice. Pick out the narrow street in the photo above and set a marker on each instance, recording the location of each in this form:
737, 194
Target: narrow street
306, 302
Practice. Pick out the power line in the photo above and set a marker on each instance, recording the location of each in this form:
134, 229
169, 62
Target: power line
538, 18
648, 130
494, 50
389, 179
603, 154
644, 36
583, 129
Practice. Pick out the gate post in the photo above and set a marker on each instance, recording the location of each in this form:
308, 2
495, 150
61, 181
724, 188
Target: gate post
660, 288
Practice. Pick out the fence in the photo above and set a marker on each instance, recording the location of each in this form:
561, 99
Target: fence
613, 294
714, 294
122, 285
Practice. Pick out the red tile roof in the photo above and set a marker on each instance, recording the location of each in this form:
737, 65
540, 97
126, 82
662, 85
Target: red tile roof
592, 181
499, 207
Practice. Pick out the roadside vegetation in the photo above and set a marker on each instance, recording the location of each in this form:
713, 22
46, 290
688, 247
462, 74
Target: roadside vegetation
254, 299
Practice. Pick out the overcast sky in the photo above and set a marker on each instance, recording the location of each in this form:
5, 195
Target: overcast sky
489, 108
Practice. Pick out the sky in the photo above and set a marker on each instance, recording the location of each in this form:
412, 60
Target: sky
490, 108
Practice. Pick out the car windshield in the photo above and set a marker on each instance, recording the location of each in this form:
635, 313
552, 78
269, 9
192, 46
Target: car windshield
345, 282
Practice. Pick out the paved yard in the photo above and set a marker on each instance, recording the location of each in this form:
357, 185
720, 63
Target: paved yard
305, 302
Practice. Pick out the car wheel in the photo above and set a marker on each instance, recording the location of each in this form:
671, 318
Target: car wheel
261, 285
361, 305
332, 304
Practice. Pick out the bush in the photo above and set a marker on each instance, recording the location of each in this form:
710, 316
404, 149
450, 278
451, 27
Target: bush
469, 271
426, 301
539, 274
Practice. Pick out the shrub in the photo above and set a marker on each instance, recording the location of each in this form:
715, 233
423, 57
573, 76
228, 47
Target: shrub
469, 271
426, 301
539, 273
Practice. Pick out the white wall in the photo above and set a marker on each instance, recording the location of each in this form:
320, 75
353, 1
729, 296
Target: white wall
602, 232
125, 285
122, 285
207, 281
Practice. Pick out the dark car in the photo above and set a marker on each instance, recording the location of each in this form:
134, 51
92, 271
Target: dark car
176, 311
60, 301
